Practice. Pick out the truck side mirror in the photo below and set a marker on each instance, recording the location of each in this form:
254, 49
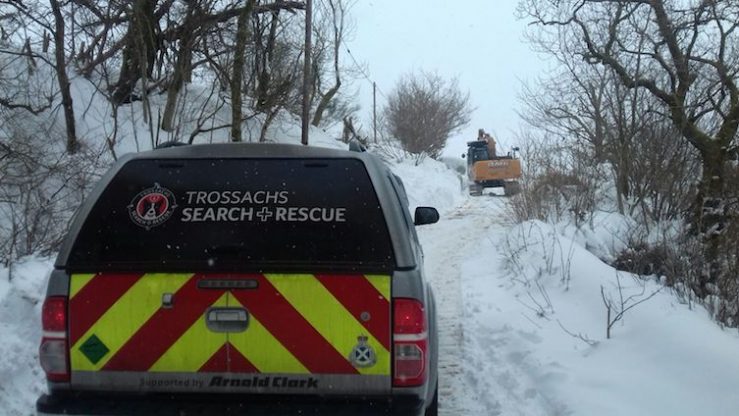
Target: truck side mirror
425, 215
464, 155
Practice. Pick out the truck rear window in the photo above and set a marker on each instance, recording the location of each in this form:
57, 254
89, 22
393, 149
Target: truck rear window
236, 214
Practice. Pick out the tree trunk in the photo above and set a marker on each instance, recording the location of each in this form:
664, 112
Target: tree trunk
266, 55
140, 51
619, 196
173, 91
306, 90
338, 32
711, 212
61, 73
181, 73
325, 101
271, 114
242, 35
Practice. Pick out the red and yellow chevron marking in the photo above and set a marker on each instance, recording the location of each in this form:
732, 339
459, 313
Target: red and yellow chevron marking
298, 324
122, 320
181, 356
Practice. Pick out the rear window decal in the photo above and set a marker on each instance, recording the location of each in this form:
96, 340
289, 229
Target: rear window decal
236, 197
314, 214
235, 214
241, 206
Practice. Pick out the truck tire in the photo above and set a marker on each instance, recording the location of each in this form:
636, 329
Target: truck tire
433, 409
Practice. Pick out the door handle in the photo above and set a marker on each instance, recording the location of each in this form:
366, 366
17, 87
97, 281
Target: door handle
228, 319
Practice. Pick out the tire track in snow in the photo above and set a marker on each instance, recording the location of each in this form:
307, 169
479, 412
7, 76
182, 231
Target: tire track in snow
486, 364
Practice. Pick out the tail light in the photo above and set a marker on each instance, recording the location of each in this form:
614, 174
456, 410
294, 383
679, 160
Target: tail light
410, 343
53, 352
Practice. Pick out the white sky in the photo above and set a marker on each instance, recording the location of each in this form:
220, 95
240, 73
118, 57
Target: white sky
478, 41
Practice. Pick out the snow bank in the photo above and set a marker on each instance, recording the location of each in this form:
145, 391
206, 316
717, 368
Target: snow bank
20, 333
606, 235
549, 319
430, 183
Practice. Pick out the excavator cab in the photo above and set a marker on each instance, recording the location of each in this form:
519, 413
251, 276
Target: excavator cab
477, 151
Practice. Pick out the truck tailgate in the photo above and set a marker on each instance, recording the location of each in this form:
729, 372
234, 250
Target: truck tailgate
229, 332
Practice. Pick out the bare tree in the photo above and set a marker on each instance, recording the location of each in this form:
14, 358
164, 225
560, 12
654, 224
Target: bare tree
32, 18
571, 104
142, 44
125, 52
183, 67
424, 110
242, 35
40, 185
276, 67
334, 15
685, 56
589, 106
61, 73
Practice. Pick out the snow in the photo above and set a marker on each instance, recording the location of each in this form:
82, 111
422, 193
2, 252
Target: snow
522, 321
20, 332
534, 327
431, 183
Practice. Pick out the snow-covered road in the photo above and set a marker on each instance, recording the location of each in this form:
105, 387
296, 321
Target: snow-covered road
449, 246
482, 365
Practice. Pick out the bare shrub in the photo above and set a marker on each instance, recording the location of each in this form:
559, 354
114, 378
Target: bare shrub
678, 259
643, 259
655, 174
39, 192
559, 183
424, 110
622, 300
392, 150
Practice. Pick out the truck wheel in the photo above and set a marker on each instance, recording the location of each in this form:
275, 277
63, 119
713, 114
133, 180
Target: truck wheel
433, 408
475, 190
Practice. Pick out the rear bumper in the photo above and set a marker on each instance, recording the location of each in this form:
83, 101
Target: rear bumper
201, 404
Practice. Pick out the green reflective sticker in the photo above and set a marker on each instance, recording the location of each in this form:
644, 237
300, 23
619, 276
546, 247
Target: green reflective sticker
94, 349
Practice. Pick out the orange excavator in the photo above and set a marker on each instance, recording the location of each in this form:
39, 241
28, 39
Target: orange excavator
486, 169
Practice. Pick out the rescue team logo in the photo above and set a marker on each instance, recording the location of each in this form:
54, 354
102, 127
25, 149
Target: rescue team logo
152, 206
